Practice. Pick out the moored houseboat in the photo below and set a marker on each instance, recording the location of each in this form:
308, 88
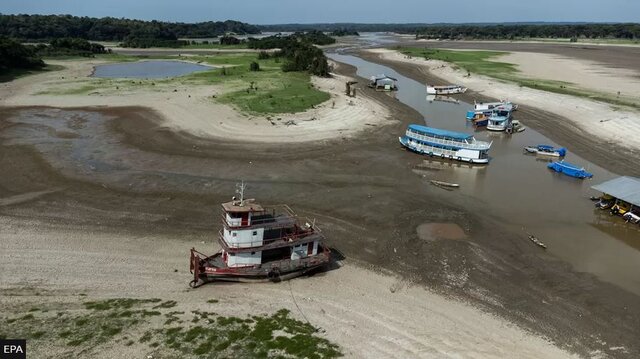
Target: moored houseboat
499, 120
260, 243
445, 144
504, 105
383, 83
621, 196
445, 90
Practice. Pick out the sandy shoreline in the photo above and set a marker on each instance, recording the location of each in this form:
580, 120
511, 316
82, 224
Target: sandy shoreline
585, 74
366, 313
191, 109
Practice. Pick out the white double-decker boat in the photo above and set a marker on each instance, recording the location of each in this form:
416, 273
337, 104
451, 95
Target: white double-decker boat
445, 90
445, 144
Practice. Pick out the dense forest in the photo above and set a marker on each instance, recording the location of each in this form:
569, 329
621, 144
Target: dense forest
47, 27
515, 31
345, 32
14, 55
278, 41
70, 47
478, 30
299, 51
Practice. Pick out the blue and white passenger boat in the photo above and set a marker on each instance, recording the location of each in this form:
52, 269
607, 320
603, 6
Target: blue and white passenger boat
445, 144
503, 105
499, 120
569, 169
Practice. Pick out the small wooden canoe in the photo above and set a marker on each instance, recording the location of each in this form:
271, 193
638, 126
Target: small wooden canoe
445, 184
537, 241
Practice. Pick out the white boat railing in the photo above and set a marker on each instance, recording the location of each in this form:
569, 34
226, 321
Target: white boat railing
473, 145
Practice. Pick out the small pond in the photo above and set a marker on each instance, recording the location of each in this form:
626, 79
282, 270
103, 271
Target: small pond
148, 69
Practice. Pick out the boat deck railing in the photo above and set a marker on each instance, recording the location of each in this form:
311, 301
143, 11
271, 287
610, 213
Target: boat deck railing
473, 145
280, 241
272, 216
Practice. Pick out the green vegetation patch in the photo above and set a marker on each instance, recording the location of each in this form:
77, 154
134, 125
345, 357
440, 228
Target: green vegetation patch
118, 303
83, 330
267, 91
480, 62
263, 336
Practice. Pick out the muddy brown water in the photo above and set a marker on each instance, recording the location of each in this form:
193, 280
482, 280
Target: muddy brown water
520, 192
120, 169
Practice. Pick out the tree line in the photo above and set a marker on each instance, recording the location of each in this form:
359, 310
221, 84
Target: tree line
344, 32
515, 31
47, 27
14, 55
298, 49
339, 27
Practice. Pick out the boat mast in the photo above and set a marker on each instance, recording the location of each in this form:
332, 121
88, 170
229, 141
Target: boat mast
240, 191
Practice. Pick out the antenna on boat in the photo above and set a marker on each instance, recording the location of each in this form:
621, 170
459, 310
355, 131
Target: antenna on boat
240, 191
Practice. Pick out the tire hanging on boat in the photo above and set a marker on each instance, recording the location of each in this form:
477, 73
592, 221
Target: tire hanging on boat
274, 274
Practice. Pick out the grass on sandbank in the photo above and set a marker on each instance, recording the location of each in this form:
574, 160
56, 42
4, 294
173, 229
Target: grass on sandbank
268, 91
485, 63
153, 327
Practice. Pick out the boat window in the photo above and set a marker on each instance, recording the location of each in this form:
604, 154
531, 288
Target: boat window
234, 234
255, 233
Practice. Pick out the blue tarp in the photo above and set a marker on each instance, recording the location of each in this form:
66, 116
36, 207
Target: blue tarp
569, 169
440, 133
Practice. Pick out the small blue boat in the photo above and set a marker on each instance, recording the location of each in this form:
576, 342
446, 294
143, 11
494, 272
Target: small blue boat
546, 150
569, 169
478, 118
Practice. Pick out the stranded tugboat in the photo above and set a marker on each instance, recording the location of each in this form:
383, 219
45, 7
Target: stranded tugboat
260, 243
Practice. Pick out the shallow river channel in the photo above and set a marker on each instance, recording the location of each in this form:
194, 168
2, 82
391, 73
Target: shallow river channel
519, 190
